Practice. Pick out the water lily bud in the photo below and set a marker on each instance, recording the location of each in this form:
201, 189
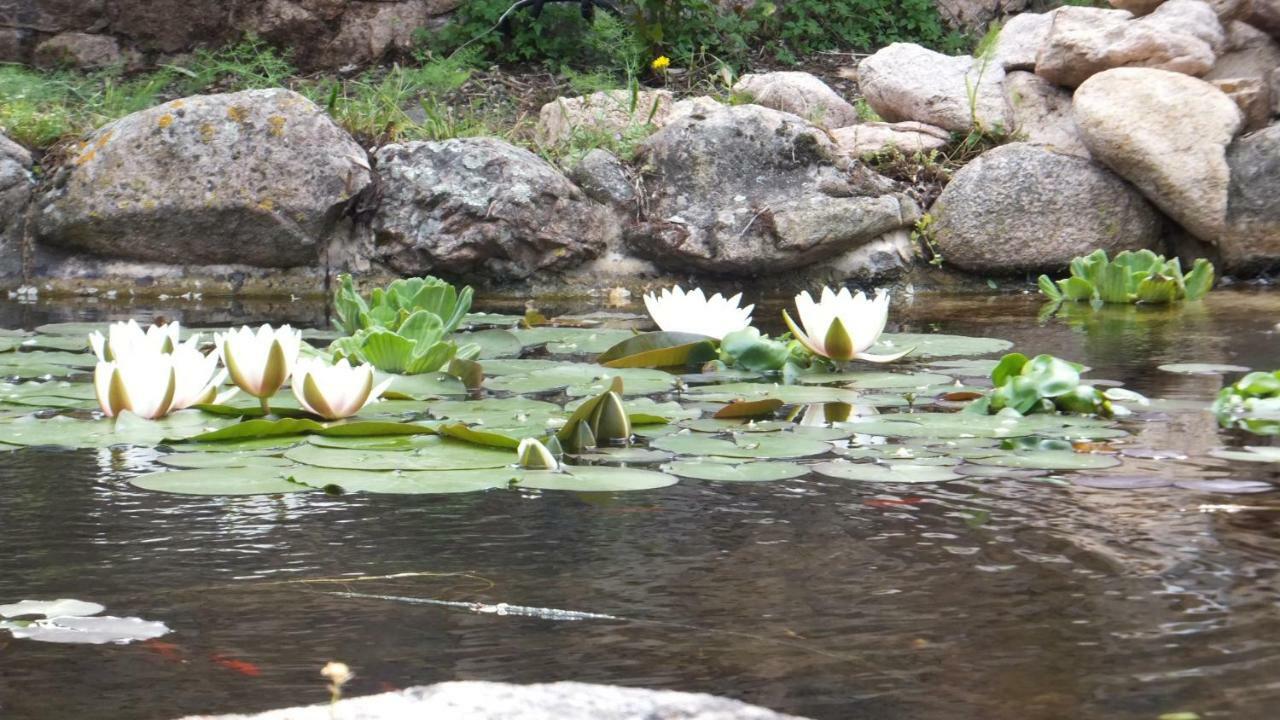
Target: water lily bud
144, 385
583, 438
533, 455
337, 391
125, 338
610, 422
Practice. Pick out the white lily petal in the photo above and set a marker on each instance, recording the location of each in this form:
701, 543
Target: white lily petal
674, 310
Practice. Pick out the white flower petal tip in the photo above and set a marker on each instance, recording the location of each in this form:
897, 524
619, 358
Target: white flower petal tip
335, 391
125, 338
841, 326
533, 455
151, 383
674, 310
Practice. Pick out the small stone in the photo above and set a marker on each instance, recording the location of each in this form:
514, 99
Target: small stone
908, 138
798, 93
78, 50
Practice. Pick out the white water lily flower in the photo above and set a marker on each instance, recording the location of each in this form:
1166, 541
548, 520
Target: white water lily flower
335, 391
152, 384
842, 326
260, 363
127, 337
533, 455
693, 312
143, 383
196, 376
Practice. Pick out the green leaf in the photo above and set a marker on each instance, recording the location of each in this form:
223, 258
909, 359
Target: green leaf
1157, 290
262, 428
1048, 288
660, 349
478, 436
1199, 281
749, 409
1077, 289
264, 479
749, 350
1051, 376
1008, 366
1113, 285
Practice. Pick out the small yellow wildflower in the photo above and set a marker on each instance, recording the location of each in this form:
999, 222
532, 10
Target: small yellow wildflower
661, 63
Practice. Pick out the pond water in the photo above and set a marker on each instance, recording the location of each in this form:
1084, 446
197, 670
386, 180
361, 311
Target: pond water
979, 597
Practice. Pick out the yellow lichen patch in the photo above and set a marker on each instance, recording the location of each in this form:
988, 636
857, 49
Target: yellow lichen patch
86, 157
148, 204
165, 121
102, 140
176, 104
266, 204
237, 113
206, 132
275, 125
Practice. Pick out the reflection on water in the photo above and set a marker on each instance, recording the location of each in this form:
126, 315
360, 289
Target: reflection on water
974, 598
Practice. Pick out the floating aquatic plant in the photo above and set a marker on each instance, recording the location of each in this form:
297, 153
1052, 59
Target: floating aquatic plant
1252, 402
1130, 277
391, 306
404, 328
1045, 384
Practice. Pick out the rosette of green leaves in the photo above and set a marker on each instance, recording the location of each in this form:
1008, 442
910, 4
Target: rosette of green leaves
1131, 277
1039, 385
417, 345
747, 349
1252, 402
393, 305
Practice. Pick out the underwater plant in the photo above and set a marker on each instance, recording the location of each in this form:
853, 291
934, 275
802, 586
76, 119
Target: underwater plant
1130, 277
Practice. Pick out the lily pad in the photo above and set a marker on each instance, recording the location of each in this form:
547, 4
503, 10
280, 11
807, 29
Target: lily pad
1226, 486
572, 341
791, 394
1050, 460
425, 482
267, 479
782, 445
736, 472
199, 460
1202, 368
877, 473
938, 345
87, 630
436, 454
1255, 453
595, 478
65, 607
875, 380
493, 343
1122, 482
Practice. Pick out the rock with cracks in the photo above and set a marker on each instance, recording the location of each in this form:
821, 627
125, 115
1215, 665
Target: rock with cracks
481, 207
1181, 35
751, 191
1021, 208
1251, 242
252, 178
15, 191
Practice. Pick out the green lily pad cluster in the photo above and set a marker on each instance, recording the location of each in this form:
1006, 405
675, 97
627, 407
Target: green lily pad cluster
1252, 402
404, 328
1130, 277
1045, 384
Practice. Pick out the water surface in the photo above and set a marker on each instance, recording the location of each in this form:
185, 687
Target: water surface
991, 599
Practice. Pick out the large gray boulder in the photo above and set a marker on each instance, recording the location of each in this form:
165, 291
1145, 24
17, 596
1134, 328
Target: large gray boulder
904, 81
1042, 113
1166, 133
749, 191
502, 701
1181, 35
481, 207
909, 138
1020, 40
253, 178
15, 192
1021, 208
1251, 243
1225, 9
612, 112
1249, 62
798, 93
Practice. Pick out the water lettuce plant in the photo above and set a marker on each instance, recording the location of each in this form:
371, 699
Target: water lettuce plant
1130, 277
403, 328
1043, 384
1252, 402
